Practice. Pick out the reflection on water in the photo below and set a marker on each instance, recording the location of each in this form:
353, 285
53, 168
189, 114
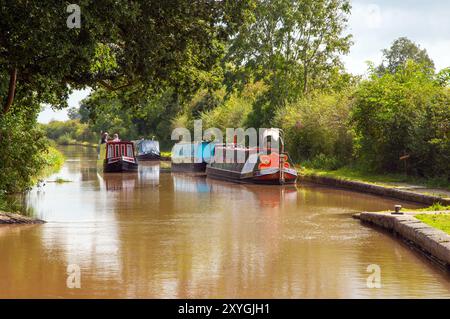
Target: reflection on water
155, 234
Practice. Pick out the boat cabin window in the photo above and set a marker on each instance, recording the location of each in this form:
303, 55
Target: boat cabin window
145, 147
117, 150
110, 151
130, 151
269, 144
185, 150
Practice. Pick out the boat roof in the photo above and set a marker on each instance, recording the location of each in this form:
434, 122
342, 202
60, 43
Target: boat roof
146, 142
194, 142
120, 142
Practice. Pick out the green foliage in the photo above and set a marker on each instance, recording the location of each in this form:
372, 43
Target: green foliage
439, 221
65, 139
130, 116
357, 172
233, 110
60, 180
219, 109
9, 204
317, 128
435, 207
73, 113
53, 161
322, 161
106, 112
144, 46
293, 46
67, 132
155, 65
443, 77
401, 51
22, 147
157, 115
405, 113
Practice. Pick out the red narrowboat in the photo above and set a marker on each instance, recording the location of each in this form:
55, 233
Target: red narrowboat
118, 157
261, 165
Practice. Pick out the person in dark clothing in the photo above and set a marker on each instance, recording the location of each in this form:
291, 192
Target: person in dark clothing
104, 138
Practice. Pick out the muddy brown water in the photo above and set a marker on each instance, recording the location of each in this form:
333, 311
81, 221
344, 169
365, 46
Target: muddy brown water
156, 234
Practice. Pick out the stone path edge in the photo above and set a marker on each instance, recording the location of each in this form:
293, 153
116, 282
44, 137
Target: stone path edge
428, 239
11, 218
375, 189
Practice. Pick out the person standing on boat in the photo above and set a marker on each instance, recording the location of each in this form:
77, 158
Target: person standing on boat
116, 138
104, 138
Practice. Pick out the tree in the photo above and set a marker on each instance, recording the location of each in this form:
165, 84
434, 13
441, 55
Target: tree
150, 114
402, 50
143, 46
22, 147
120, 44
73, 113
292, 46
404, 114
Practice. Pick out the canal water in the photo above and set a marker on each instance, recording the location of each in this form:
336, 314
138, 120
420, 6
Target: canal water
157, 234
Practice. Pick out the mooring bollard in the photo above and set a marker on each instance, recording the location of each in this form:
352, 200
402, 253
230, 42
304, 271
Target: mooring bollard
397, 209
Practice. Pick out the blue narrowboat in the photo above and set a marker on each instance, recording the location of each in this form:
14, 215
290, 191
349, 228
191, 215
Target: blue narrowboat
192, 157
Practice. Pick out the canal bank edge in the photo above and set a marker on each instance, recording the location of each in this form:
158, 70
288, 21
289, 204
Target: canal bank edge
54, 161
433, 242
375, 189
11, 218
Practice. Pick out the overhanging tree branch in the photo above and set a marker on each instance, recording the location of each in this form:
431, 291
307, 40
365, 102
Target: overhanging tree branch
112, 88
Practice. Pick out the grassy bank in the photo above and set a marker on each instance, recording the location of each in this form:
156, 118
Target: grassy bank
353, 174
439, 221
433, 208
54, 160
8, 205
166, 155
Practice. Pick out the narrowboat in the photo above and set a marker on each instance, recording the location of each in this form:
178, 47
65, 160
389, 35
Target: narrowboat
259, 165
147, 150
117, 157
191, 157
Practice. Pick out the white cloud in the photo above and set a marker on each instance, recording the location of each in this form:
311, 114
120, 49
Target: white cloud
376, 24
439, 52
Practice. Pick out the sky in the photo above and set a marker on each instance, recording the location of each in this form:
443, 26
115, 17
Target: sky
374, 24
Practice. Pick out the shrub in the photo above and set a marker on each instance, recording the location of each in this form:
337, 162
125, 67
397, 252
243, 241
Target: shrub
65, 132
219, 109
317, 128
22, 145
65, 139
231, 113
322, 161
404, 114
